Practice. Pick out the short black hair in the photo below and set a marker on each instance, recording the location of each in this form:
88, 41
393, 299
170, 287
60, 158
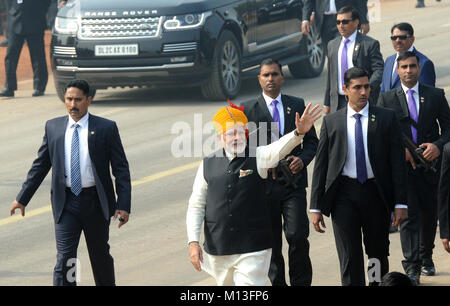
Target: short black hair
406, 55
349, 9
354, 73
80, 84
396, 279
403, 26
270, 61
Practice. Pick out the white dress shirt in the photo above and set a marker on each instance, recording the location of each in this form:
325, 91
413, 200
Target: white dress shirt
332, 9
415, 94
279, 107
87, 176
350, 48
350, 161
266, 157
349, 169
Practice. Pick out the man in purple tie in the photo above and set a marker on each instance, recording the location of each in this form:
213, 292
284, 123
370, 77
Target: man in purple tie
359, 179
424, 117
351, 49
273, 112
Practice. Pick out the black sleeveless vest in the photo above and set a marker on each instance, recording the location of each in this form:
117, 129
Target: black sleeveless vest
237, 214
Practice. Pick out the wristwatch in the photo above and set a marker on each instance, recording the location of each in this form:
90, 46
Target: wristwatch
296, 133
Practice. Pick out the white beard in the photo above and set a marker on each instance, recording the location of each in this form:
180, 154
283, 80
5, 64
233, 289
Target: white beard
235, 151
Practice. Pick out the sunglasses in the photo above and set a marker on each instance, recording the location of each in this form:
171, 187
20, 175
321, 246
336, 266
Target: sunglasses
401, 37
344, 21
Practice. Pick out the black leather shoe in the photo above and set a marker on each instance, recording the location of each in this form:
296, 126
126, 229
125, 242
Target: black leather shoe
428, 270
415, 278
6, 92
4, 43
420, 4
38, 93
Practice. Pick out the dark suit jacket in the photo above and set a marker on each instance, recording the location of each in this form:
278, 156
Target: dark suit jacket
434, 116
444, 194
28, 17
427, 74
318, 6
366, 55
257, 112
386, 155
105, 150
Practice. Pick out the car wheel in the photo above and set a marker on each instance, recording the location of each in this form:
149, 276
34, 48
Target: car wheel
60, 91
225, 79
313, 65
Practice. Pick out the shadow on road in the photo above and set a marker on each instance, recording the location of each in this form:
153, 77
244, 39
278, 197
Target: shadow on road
164, 97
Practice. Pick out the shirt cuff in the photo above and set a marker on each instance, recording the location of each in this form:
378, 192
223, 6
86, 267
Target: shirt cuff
315, 210
401, 206
305, 21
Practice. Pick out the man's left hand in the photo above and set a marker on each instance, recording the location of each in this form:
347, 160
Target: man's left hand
296, 165
123, 217
431, 152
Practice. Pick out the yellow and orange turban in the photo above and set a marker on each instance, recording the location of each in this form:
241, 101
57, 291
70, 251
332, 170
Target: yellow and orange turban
228, 117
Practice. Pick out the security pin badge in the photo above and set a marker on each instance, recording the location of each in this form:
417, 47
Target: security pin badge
288, 110
422, 99
372, 117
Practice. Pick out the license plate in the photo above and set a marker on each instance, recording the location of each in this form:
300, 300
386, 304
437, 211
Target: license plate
116, 50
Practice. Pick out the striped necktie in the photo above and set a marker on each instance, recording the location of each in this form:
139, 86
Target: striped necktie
75, 170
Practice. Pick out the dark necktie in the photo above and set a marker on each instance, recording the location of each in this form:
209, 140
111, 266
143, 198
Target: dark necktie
75, 171
412, 113
344, 62
276, 114
361, 170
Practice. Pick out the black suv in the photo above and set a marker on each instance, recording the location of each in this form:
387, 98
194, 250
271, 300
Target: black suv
208, 43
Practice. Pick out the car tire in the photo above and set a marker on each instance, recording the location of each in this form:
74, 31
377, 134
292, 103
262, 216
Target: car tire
313, 65
61, 90
225, 79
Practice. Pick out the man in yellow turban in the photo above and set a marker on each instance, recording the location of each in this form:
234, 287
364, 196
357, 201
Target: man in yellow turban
229, 199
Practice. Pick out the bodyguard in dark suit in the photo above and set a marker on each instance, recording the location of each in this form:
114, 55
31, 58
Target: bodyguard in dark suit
444, 199
424, 117
402, 37
287, 202
322, 13
359, 178
81, 149
351, 49
26, 22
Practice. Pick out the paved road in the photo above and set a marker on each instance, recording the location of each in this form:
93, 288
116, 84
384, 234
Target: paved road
151, 249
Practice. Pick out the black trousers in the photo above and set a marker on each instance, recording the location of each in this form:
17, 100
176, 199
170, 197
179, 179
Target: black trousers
359, 215
37, 53
288, 212
83, 213
329, 30
417, 233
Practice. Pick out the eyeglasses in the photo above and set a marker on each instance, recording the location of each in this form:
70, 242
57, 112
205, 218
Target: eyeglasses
344, 21
401, 37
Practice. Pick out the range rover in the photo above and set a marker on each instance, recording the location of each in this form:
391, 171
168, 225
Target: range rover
212, 44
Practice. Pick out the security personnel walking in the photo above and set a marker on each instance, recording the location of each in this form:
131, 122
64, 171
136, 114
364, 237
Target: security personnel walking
26, 22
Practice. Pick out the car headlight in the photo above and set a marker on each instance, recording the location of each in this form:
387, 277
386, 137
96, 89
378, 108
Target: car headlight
66, 25
188, 21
